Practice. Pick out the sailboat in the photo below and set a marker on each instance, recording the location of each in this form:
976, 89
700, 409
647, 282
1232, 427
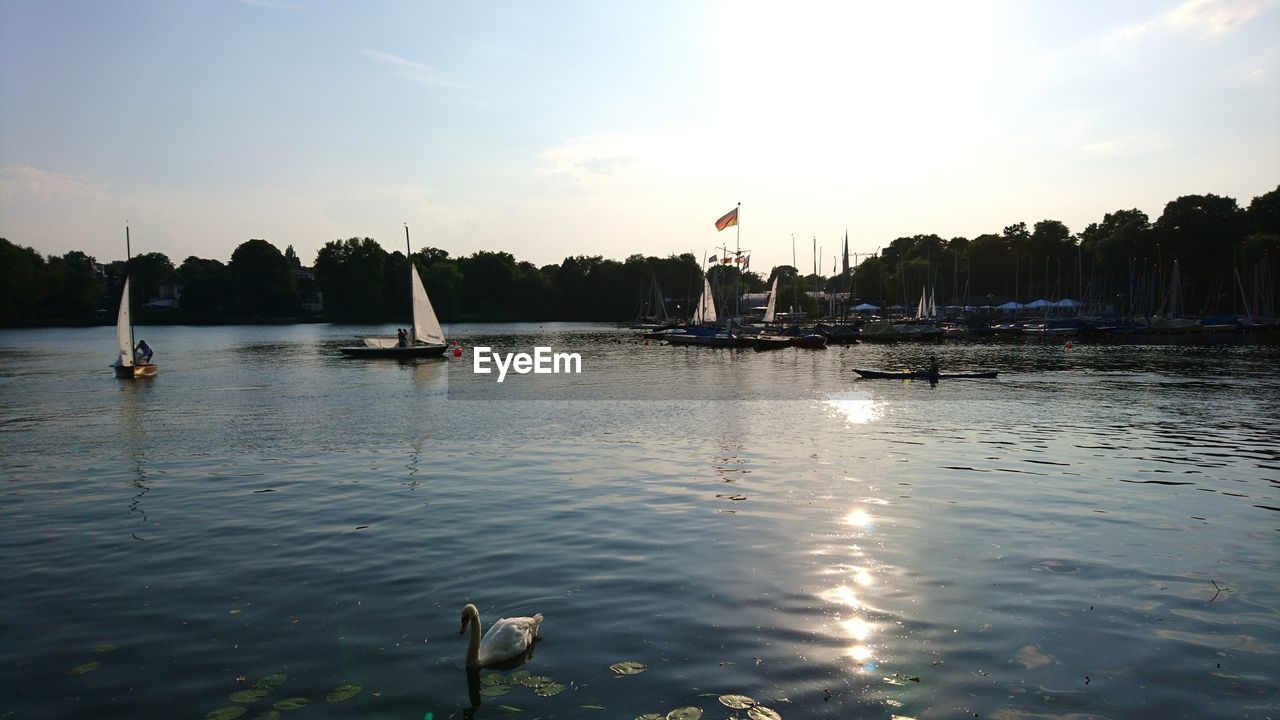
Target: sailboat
770, 340
702, 329
128, 365
425, 339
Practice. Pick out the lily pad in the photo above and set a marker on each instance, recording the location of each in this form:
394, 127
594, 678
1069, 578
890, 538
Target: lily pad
494, 679
343, 692
292, 703
495, 690
628, 667
737, 702
248, 696
536, 681
760, 712
104, 648
518, 675
271, 682
227, 713
87, 667
554, 688
685, 713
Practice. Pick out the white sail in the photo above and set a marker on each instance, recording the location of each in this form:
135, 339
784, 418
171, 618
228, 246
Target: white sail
773, 301
425, 325
921, 308
124, 335
706, 311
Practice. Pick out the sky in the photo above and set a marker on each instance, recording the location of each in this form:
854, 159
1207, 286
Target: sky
551, 129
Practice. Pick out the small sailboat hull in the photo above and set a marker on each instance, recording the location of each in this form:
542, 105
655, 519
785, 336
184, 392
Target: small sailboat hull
417, 351
129, 372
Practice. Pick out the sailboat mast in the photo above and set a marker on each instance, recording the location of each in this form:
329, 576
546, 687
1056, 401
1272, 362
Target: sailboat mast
128, 261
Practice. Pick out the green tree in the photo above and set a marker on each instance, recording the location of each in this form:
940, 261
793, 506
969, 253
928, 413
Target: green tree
23, 291
352, 275
207, 287
76, 289
263, 280
147, 272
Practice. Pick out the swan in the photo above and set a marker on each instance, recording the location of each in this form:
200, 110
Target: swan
507, 638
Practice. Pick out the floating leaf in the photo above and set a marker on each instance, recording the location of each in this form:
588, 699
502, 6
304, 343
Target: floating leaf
760, 712
628, 667
271, 682
292, 703
508, 708
268, 715
536, 681
87, 667
651, 716
248, 696
737, 702
592, 707
549, 690
227, 713
495, 690
343, 692
685, 713
494, 679
518, 675
104, 648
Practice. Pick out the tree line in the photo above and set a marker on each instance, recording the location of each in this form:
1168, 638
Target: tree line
1221, 251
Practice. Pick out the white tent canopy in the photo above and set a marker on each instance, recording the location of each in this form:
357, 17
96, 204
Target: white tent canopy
1038, 304
1066, 303
1011, 305
864, 307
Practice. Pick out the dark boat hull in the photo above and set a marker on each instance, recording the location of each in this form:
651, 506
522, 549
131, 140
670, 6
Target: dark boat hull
135, 371
417, 351
810, 342
923, 375
762, 343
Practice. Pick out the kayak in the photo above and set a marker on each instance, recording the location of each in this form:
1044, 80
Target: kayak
923, 375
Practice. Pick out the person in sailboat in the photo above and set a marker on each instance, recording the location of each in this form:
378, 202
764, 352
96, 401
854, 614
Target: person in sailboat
402, 338
142, 353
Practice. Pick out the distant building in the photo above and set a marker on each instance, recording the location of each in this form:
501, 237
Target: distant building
309, 295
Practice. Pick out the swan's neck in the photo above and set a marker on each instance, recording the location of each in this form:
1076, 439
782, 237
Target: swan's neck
473, 638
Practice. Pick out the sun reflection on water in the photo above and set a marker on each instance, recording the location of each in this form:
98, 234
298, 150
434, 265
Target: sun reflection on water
855, 410
849, 608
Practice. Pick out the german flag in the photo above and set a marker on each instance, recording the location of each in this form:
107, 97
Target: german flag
729, 218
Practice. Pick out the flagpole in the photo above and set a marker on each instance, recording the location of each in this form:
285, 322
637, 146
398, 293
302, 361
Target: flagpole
737, 257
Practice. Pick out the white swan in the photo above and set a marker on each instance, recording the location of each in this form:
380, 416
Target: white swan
507, 638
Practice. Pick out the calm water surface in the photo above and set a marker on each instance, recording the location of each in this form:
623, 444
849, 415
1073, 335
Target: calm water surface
1096, 534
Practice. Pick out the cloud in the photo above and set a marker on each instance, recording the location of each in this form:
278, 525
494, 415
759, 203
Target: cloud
410, 70
1214, 17
26, 182
590, 158
1209, 18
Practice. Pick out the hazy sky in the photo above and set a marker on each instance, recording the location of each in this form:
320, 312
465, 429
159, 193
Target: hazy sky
550, 129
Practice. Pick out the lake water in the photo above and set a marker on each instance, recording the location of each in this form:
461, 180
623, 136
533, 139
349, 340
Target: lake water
1096, 534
